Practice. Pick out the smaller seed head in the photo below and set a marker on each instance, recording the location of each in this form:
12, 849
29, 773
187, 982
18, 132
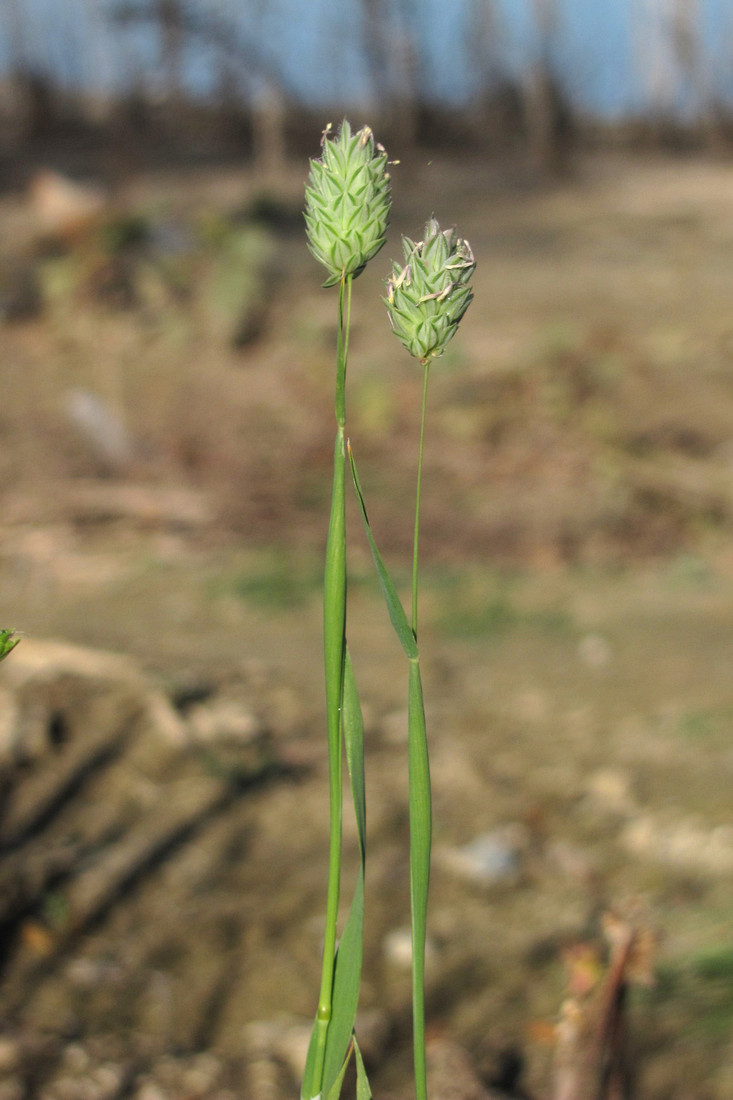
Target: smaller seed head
427, 297
347, 202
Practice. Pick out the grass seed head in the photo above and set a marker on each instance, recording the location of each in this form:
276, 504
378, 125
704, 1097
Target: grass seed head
347, 202
427, 297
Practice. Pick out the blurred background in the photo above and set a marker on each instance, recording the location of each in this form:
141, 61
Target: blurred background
166, 355
484, 73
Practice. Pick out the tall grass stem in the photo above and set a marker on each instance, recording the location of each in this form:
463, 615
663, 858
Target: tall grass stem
420, 801
421, 827
416, 535
334, 644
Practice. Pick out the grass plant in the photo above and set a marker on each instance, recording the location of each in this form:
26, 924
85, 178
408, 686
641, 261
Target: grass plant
347, 212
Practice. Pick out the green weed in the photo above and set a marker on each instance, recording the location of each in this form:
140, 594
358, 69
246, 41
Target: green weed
490, 608
282, 583
699, 990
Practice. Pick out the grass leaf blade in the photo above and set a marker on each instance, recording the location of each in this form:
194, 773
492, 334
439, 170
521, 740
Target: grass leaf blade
363, 1089
335, 1091
354, 746
346, 983
395, 609
306, 1089
347, 975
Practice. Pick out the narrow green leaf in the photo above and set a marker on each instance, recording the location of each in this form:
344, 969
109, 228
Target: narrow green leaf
335, 1091
354, 745
394, 605
306, 1089
347, 975
420, 844
363, 1091
346, 983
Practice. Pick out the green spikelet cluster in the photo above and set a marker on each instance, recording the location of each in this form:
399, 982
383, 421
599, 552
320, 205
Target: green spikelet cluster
8, 641
347, 202
428, 296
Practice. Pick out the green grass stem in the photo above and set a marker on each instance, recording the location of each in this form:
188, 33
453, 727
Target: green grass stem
416, 534
421, 818
419, 798
342, 347
334, 645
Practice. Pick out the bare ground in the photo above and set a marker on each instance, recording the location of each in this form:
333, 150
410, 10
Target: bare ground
577, 615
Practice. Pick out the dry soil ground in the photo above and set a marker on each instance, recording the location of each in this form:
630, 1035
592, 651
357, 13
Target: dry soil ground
577, 627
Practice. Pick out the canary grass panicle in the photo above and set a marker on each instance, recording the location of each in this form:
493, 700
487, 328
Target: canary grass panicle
427, 297
347, 202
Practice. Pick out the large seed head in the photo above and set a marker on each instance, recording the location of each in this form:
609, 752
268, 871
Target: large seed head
427, 297
347, 202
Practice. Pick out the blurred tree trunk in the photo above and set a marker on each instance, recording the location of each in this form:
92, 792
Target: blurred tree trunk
27, 104
482, 44
97, 97
14, 23
269, 118
546, 110
170, 19
672, 64
689, 52
389, 49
